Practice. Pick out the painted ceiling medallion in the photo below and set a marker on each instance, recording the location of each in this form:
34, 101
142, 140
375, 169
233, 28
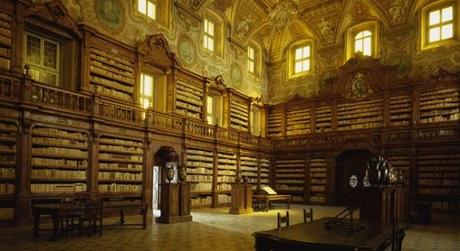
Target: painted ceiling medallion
111, 14
186, 50
283, 13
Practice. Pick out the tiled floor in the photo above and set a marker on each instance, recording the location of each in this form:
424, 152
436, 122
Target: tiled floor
213, 229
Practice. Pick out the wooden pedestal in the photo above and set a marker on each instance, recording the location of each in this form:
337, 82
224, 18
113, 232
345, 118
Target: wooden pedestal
241, 199
384, 204
175, 203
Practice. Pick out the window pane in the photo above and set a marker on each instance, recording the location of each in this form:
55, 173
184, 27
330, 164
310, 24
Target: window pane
51, 54
358, 45
210, 105
306, 51
142, 6
211, 44
447, 14
205, 27
251, 53
49, 78
205, 42
211, 28
435, 34
447, 31
305, 65
298, 67
298, 53
33, 50
151, 10
367, 33
251, 66
367, 50
359, 35
434, 17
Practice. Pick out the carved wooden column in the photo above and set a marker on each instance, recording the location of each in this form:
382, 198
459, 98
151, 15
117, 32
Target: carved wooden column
148, 173
23, 172
93, 163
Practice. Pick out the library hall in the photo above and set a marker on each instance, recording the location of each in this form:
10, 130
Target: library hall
229, 125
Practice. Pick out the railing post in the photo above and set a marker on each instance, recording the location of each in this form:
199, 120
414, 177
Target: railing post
26, 88
184, 121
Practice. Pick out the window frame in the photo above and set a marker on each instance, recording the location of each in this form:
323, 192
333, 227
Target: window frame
142, 96
362, 40
253, 69
207, 36
155, 5
292, 59
372, 26
41, 66
425, 26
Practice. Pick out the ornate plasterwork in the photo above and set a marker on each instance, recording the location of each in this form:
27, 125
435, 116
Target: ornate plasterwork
398, 11
283, 14
327, 30
243, 27
359, 87
110, 14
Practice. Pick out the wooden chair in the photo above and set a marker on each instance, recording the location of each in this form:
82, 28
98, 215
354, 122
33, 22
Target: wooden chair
283, 219
307, 216
93, 217
71, 218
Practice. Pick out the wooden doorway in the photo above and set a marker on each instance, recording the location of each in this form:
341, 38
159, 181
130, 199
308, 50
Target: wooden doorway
350, 163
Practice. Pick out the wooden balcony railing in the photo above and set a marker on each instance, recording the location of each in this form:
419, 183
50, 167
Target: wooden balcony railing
24, 89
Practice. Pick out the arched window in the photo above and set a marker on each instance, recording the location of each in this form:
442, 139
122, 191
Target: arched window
363, 42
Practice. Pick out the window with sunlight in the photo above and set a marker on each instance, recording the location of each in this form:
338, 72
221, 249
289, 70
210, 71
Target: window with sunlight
147, 7
210, 113
208, 39
363, 42
441, 24
146, 91
42, 56
251, 60
302, 59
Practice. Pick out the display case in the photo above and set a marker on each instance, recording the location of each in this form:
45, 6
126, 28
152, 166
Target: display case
59, 160
189, 99
120, 165
112, 75
318, 180
290, 178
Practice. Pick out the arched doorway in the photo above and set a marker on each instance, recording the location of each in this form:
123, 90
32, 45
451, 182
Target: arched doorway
349, 163
163, 155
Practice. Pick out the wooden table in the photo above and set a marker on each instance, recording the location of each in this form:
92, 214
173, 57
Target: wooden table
56, 211
267, 199
123, 206
313, 236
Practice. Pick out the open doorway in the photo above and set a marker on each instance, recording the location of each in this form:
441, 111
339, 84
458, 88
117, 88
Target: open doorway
350, 163
156, 191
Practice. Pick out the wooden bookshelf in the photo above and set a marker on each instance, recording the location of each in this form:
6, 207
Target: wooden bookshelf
8, 160
189, 99
318, 180
441, 105
59, 160
120, 165
401, 110
226, 175
323, 118
298, 121
239, 113
290, 178
264, 171
439, 180
249, 166
5, 41
275, 122
112, 75
360, 115
200, 171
